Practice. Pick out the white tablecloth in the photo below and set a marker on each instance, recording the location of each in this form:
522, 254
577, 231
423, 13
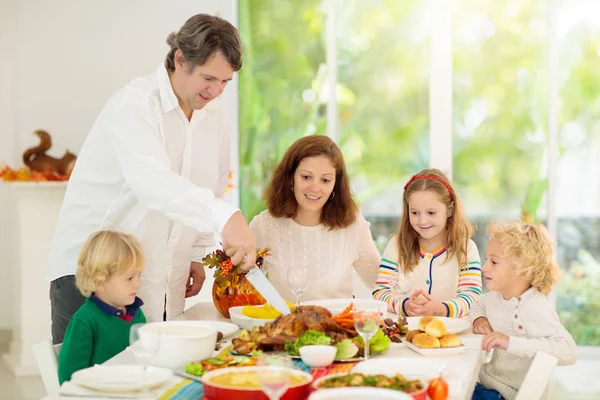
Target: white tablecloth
461, 370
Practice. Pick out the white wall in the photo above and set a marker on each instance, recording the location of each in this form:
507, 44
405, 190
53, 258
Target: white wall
73, 55
7, 79
7, 121
61, 61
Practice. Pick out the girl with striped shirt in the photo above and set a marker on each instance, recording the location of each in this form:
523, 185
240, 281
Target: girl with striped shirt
431, 267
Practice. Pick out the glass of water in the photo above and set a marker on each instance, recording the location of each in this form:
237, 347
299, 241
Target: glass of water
144, 347
297, 278
403, 286
274, 374
366, 322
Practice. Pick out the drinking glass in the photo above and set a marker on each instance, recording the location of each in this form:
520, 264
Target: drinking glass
297, 280
404, 283
366, 323
274, 374
144, 347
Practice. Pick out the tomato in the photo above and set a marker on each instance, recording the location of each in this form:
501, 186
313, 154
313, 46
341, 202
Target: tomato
438, 389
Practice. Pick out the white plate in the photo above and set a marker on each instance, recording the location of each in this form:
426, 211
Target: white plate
244, 322
119, 378
358, 393
453, 325
336, 306
442, 351
410, 367
226, 328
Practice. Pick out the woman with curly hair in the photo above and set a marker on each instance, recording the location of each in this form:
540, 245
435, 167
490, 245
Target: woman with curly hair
516, 317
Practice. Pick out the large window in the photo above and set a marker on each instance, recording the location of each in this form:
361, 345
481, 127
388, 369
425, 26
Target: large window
500, 109
383, 81
505, 121
280, 87
499, 102
578, 195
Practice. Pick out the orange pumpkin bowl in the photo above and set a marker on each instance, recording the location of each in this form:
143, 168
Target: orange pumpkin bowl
420, 395
215, 391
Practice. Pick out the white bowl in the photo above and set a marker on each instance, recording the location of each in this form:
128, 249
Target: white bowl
226, 328
244, 322
359, 393
181, 342
317, 356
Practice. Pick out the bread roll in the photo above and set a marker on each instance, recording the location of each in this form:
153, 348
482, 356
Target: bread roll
450, 340
425, 341
436, 328
411, 334
423, 322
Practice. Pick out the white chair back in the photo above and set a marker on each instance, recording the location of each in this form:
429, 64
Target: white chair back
535, 384
46, 356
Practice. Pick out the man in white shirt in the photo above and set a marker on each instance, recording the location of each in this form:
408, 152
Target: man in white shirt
155, 164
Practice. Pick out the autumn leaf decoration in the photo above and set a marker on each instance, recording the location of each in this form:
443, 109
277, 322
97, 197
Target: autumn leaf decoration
225, 270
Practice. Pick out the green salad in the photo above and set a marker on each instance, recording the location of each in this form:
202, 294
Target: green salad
346, 349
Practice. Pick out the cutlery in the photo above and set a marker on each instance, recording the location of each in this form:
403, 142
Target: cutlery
488, 356
266, 289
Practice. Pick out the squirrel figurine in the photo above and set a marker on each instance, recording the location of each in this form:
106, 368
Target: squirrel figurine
37, 159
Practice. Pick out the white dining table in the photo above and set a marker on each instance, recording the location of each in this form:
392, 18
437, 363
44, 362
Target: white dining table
461, 370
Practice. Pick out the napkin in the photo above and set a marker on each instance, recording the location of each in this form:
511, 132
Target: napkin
336, 368
184, 390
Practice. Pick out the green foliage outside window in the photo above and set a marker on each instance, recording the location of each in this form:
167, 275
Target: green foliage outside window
500, 109
284, 55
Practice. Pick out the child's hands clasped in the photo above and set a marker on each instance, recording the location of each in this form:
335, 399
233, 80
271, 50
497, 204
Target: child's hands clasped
414, 305
495, 340
421, 303
482, 326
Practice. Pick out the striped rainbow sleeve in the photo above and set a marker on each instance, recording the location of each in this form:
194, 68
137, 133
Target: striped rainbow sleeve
387, 274
469, 287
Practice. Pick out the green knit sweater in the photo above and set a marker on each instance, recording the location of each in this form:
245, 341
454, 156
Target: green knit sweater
93, 337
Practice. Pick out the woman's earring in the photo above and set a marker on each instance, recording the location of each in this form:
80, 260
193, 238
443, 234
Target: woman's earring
332, 196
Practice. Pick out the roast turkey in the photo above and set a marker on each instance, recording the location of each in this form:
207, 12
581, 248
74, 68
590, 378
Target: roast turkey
287, 328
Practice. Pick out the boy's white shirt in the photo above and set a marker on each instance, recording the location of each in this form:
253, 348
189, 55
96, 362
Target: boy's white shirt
530, 322
532, 325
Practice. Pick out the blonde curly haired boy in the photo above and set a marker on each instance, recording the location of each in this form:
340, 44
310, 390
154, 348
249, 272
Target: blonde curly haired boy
516, 317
